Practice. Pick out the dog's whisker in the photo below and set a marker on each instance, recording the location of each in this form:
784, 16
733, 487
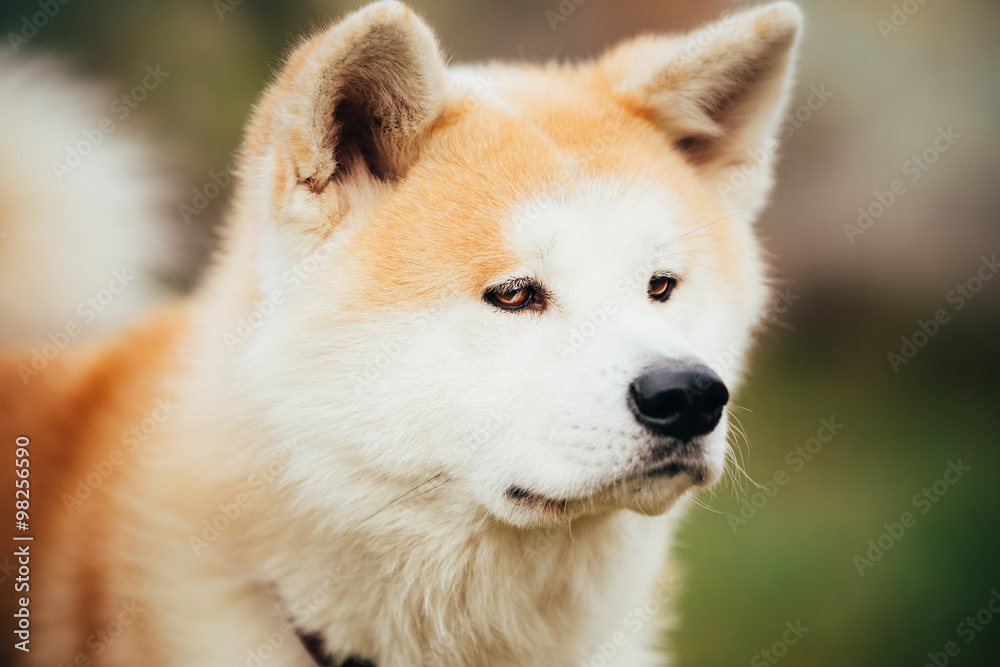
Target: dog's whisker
512, 575
732, 468
699, 503
735, 450
395, 500
702, 227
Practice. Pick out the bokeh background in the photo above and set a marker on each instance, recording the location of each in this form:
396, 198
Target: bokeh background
894, 76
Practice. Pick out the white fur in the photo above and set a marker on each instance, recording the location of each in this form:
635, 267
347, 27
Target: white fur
60, 240
391, 501
384, 522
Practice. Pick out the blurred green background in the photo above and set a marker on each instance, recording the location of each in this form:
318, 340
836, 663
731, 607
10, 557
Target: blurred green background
894, 84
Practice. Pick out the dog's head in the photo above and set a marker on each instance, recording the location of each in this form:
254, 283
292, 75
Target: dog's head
534, 284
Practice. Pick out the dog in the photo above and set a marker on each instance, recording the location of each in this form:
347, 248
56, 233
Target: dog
446, 388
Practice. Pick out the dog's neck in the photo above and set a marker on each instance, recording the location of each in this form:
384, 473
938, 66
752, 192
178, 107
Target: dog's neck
457, 586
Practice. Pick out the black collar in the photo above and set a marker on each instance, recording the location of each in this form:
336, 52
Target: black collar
316, 647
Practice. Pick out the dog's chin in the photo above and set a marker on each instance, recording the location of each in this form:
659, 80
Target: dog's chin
657, 491
651, 493
659, 496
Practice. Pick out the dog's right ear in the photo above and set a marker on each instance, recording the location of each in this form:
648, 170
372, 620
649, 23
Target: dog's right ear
718, 93
350, 103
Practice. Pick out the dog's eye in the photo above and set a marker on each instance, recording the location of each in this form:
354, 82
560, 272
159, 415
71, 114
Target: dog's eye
513, 295
660, 287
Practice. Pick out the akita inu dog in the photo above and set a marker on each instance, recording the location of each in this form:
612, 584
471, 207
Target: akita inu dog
439, 400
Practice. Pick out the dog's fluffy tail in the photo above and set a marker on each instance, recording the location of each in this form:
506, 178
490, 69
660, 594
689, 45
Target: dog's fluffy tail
85, 239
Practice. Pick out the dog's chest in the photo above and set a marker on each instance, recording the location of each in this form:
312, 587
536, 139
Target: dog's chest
539, 600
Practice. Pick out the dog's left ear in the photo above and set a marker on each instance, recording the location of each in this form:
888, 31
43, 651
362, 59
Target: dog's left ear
719, 92
347, 110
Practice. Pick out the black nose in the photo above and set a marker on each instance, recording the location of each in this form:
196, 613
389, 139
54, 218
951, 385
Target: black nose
678, 402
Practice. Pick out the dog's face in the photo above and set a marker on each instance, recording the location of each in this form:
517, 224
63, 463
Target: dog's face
527, 283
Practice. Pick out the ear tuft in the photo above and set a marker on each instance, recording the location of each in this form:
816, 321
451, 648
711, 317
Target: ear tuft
356, 96
782, 18
717, 90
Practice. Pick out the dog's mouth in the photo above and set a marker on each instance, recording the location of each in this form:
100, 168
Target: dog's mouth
696, 470
697, 473
521, 496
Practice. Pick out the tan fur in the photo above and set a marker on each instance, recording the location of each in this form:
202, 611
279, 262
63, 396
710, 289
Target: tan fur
429, 225
75, 414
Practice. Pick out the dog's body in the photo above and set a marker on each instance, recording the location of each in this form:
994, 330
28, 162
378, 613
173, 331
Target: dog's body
355, 438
